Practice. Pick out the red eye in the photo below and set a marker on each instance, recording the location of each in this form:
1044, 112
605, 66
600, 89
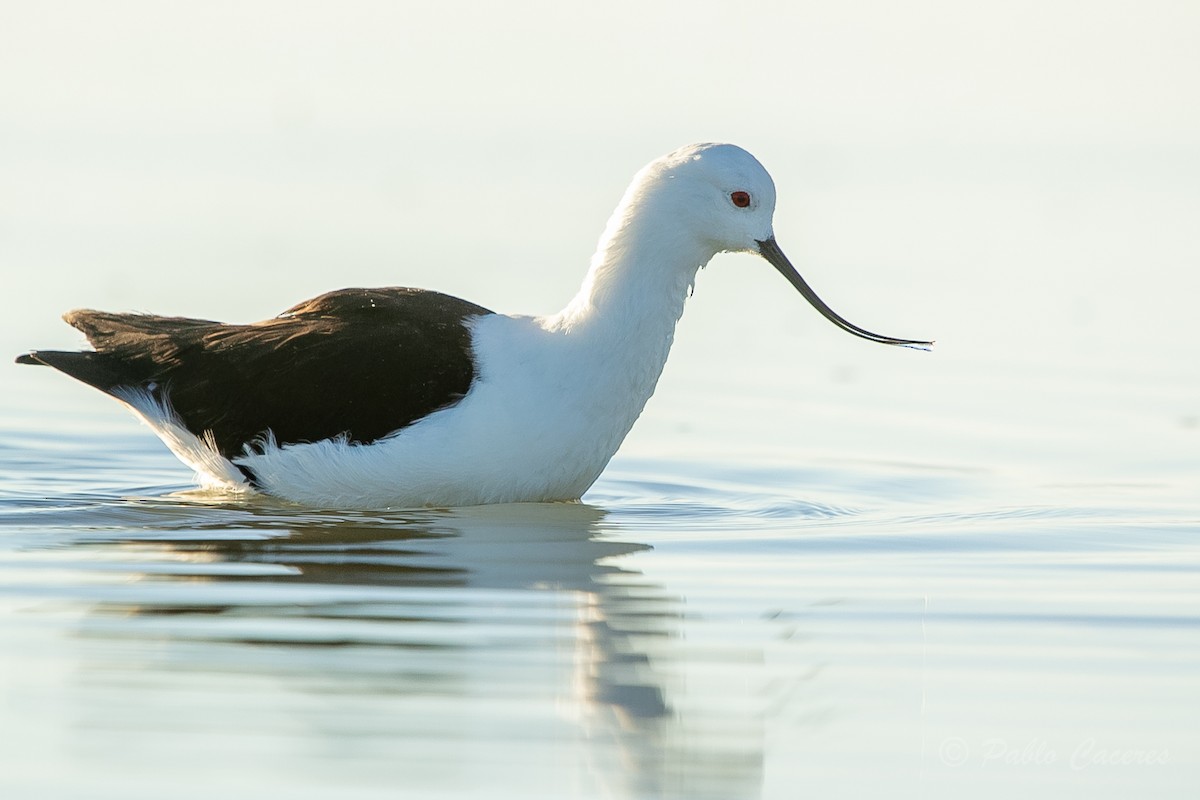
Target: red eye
740, 199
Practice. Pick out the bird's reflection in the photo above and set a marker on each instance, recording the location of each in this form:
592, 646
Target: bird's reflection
504, 595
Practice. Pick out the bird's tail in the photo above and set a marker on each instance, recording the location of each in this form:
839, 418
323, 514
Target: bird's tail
94, 369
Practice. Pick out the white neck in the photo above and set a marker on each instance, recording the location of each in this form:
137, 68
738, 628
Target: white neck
622, 321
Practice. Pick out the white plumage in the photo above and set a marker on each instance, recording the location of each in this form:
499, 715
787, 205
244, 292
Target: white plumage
553, 397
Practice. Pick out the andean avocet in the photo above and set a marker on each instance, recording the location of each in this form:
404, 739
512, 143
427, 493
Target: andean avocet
396, 397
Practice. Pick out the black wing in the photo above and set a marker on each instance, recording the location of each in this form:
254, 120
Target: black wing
357, 362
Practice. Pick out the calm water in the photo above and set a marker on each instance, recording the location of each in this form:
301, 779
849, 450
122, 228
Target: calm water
817, 568
695, 629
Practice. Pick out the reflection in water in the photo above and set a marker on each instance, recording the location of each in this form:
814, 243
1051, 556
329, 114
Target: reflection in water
505, 632
165, 647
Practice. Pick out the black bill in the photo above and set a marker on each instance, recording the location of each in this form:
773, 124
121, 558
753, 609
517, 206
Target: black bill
769, 249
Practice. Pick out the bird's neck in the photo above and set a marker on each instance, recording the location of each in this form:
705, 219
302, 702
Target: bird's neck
623, 318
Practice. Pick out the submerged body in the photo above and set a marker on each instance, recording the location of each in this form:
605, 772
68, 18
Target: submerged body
533, 427
404, 398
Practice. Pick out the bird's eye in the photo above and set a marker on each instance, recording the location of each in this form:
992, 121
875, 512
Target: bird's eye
740, 199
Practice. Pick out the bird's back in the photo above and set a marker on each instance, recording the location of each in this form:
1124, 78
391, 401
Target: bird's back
359, 363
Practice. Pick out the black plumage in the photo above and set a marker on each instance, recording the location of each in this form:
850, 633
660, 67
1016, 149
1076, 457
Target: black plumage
361, 363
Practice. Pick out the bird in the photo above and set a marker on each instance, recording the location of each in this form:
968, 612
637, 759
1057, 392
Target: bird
377, 398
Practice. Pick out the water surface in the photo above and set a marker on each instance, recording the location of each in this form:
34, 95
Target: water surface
691, 630
817, 568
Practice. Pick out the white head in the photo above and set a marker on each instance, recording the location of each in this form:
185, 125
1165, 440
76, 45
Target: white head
704, 199
680, 211
717, 193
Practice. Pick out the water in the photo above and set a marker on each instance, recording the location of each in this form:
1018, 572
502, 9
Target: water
818, 567
692, 630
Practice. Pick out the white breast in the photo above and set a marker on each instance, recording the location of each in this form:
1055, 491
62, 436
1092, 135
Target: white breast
547, 411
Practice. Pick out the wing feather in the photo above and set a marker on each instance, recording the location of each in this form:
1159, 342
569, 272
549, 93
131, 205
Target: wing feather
362, 363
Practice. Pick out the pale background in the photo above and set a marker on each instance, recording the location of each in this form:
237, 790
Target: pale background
841, 566
1020, 181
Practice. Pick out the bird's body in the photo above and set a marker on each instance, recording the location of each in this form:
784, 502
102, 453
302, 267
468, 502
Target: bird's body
370, 398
